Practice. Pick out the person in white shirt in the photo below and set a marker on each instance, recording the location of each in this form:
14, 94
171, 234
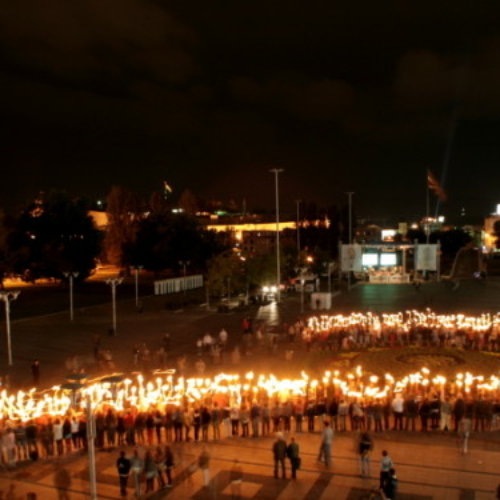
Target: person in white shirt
223, 337
397, 410
325, 449
386, 465
58, 436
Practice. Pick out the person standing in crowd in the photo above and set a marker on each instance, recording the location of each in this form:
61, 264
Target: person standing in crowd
445, 413
255, 418
310, 415
343, 410
150, 471
160, 466
386, 465
397, 410
458, 411
298, 414
279, 455
464, 428
215, 418
169, 465
235, 420
411, 412
293, 453
137, 467
204, 464
123, 466
365, 448
58, 436
325, 449
391, 486
266, 420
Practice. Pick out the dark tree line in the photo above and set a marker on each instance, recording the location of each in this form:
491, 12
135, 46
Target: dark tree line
55, 234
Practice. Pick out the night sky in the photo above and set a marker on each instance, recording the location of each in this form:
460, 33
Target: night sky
345, 96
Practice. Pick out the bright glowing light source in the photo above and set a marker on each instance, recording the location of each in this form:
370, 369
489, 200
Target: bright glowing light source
388, 259
369, 259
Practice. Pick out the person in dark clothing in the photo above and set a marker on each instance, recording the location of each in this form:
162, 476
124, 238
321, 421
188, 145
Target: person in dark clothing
391, 486
434, 413
458, 411
123, 467
424, 412
279, 454
292, 452
169, 465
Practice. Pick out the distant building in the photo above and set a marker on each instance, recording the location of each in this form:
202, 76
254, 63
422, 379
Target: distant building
100, 219
489, 237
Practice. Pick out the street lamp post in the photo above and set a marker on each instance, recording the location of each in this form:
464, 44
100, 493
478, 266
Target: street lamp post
298, 227
184, 264
276, 172
91, 434
137, 269
114, 282
349, 194
302, 281
329, 274
300, 277
71, 276
8, 297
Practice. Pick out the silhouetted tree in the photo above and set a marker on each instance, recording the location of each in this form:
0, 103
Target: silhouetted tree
189, 203
124, 213
226, 272
164, 239
53, 236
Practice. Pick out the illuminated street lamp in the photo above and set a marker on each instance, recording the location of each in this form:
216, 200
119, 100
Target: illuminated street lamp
8, 297
70, 276
137, 269
276, 172
113, 283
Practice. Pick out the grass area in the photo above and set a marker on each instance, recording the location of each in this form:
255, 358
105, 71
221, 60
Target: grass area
402, 361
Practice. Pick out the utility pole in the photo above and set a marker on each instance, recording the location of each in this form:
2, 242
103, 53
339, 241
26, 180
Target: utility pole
276, 172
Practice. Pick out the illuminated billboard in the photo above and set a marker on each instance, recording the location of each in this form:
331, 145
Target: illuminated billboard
388, 259
370, 259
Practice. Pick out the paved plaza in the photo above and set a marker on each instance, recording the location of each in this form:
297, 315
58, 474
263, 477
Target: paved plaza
429, 466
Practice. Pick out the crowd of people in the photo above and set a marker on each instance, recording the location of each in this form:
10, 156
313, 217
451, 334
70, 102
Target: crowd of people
161, 429
49, 436
418, 330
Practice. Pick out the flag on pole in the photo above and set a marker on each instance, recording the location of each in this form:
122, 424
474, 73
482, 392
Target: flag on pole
435, 186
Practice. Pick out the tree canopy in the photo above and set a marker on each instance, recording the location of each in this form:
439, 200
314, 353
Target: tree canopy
53, 236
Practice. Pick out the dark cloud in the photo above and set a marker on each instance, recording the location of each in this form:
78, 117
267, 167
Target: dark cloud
345, 97
323, 99
81, 41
